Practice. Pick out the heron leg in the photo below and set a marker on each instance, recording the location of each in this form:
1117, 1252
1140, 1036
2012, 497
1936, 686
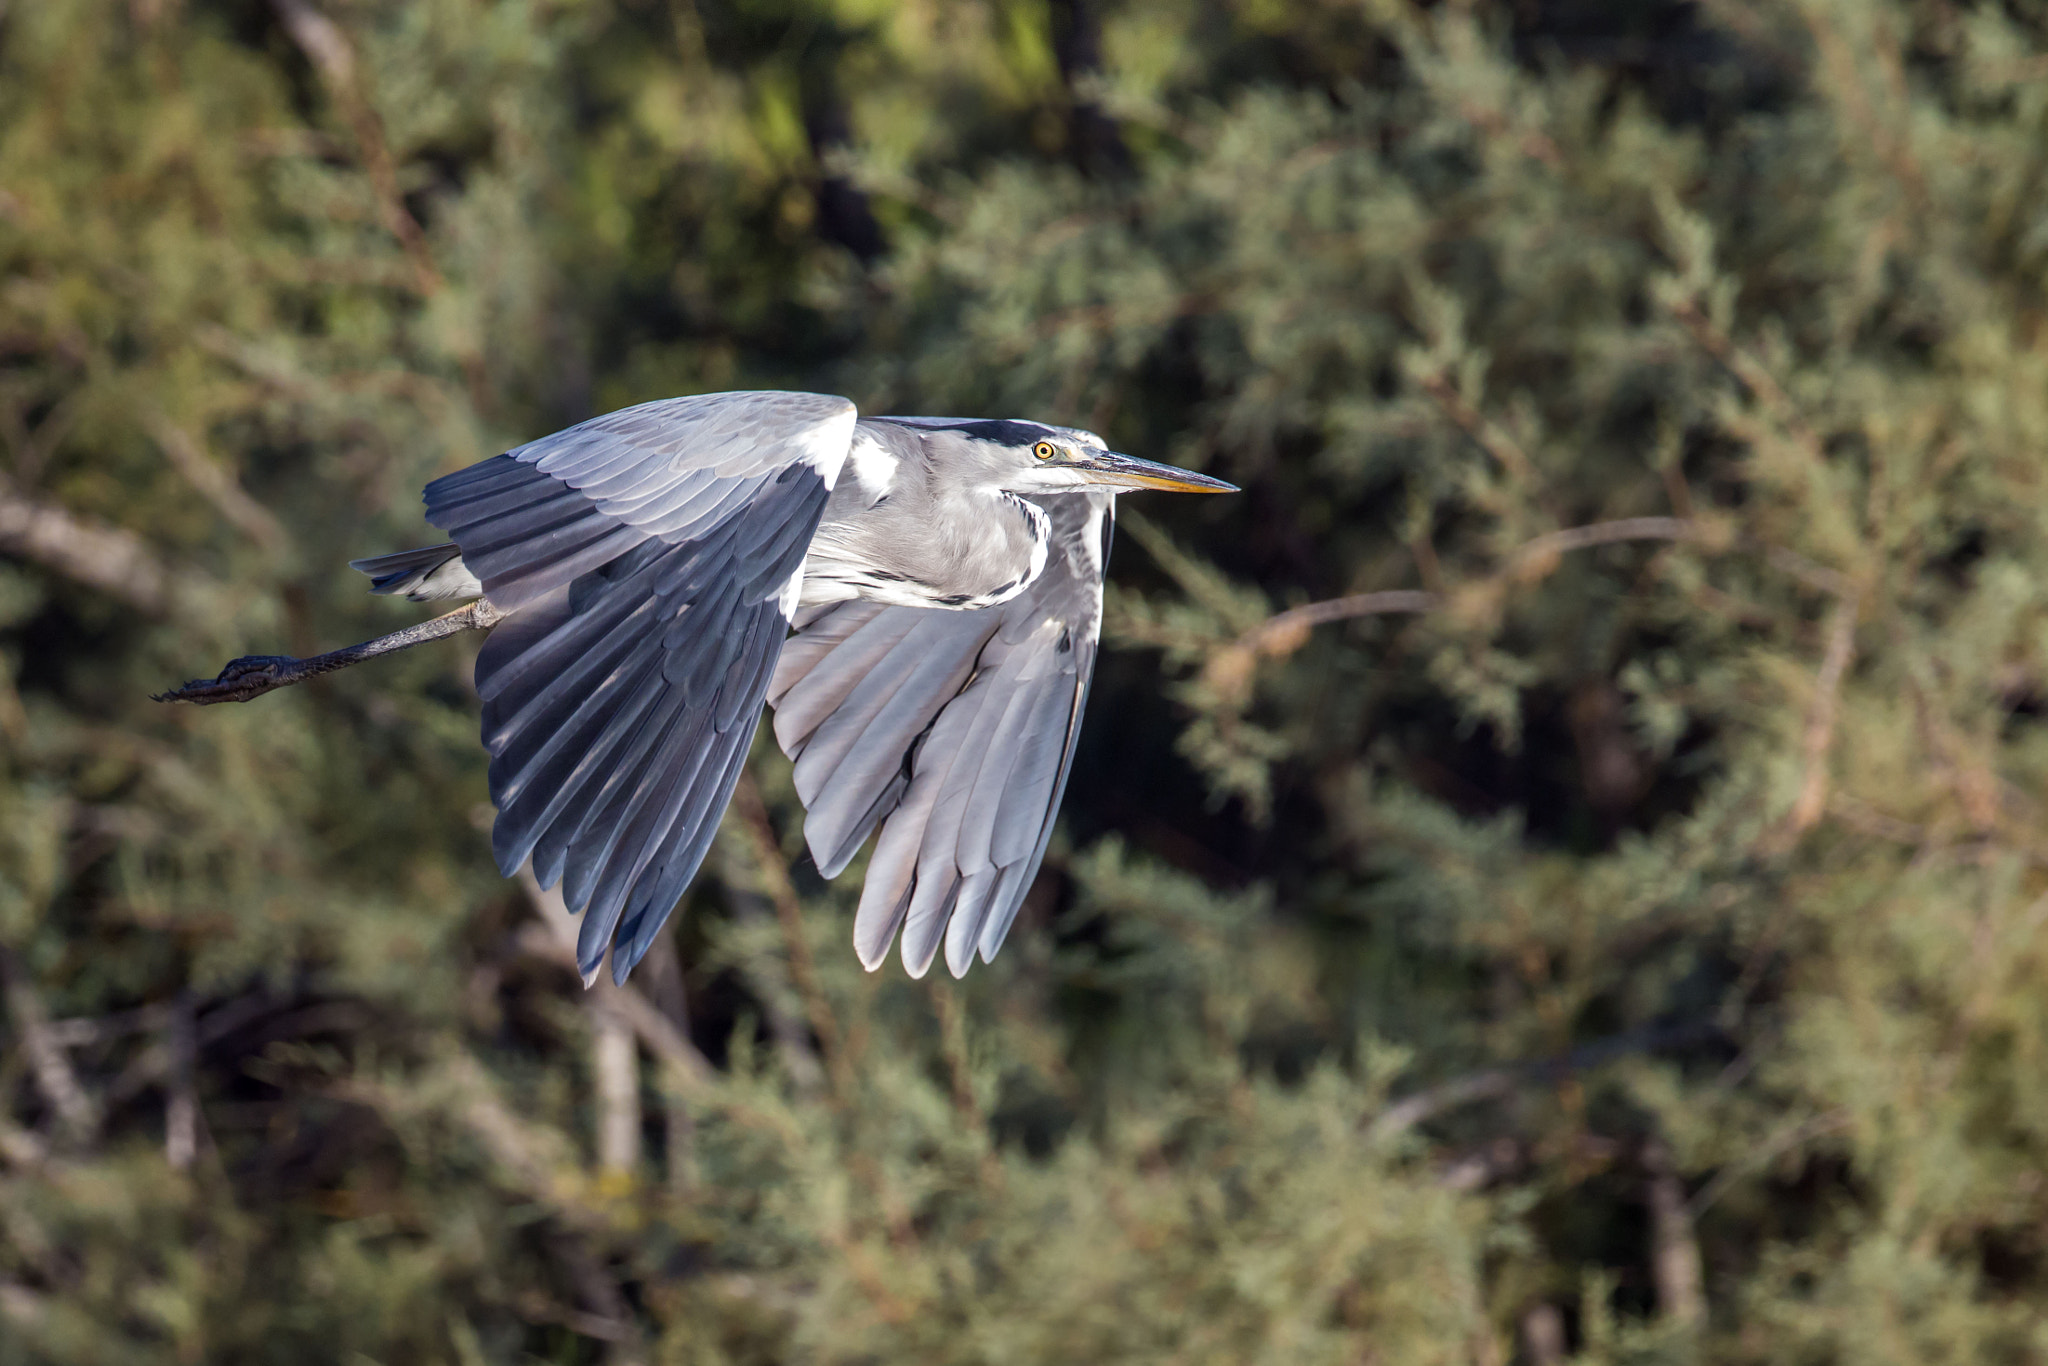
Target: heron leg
253, 675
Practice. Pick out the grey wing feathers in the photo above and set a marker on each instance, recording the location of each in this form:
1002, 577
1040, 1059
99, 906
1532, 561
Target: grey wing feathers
646, 558
954, 731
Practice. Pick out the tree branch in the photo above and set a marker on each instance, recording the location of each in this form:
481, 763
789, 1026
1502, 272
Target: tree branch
328, 49
1493, 1082
181, 1099
1812, 801
555, 940
1674, 1249
767, 860
1230, 665
253, 675
116, 562
75, 1110
615, 1074
215, 483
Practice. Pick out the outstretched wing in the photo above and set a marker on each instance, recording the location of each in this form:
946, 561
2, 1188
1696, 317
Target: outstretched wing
952, 730
650, 560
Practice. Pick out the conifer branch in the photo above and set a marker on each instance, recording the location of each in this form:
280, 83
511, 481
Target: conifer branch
1484, 432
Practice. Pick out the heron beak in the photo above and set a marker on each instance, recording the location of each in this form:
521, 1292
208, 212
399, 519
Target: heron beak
1129, 472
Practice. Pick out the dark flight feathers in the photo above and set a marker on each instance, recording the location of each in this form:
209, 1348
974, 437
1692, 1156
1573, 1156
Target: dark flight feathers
620, 695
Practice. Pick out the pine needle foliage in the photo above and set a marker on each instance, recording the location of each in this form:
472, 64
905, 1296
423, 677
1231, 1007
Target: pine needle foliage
1554, 869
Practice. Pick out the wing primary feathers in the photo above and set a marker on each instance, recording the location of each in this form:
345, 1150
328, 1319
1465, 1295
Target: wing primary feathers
597, 827
646, 822
1021, 812
1004, 903
636, 932
857, 832
970, 912
924, 920
547, 833
957, 745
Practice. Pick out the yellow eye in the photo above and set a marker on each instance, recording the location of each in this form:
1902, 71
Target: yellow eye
1043, 450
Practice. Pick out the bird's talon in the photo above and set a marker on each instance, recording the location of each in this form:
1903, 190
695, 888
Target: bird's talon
244, 678
252, 666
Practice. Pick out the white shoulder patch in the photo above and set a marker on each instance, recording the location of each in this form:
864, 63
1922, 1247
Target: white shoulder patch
824, 446
873, 466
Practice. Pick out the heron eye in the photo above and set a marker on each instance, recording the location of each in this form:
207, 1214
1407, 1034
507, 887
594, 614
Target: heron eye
1043, 450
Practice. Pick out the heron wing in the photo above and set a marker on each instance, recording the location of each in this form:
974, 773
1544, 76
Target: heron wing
649, 561
954, 732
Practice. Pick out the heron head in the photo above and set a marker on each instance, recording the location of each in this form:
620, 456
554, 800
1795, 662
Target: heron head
1035, 457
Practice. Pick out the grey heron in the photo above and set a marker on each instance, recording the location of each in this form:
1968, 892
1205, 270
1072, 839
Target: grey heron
917, 598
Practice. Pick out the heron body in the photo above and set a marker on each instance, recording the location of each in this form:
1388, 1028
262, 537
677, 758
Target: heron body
918, 599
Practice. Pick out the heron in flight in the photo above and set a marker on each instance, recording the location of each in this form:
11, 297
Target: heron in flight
918, 598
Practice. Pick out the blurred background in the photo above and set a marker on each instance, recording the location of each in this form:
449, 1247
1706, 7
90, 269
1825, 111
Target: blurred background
1637, 954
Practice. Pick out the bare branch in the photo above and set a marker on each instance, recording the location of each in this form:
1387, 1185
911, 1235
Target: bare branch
1230, 666
615, 1066
76, 1111
767, 859
1284, 632
215, 483
1543, 1342
1812, 801
331, 54
555, 940
181, 1103
115, 562
1540, 552
765, 972
1494, 1082
1674, 1250
253, 675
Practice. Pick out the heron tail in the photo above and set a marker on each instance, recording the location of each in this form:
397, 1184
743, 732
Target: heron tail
426, 575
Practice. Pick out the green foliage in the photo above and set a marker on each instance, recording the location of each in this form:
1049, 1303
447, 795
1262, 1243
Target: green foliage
1636, 955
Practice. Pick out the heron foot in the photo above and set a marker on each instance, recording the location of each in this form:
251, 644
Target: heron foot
244, 678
